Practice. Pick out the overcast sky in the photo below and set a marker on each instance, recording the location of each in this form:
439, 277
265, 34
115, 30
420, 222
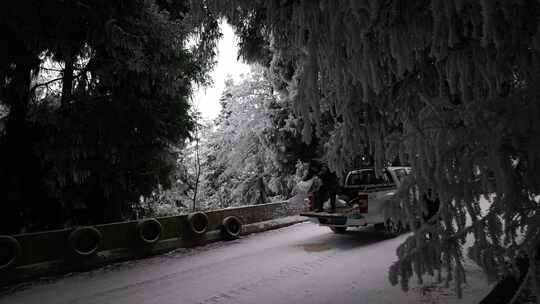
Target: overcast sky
207, 99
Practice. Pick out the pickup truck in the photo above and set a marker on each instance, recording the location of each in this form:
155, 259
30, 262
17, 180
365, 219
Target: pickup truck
363, 195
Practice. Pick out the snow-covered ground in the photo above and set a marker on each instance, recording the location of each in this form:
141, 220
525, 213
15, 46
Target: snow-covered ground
303, 263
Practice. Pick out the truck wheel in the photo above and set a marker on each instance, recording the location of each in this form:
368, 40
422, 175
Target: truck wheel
338, 230
392, 228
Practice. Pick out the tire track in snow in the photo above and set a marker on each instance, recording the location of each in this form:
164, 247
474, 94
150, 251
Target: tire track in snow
285, 273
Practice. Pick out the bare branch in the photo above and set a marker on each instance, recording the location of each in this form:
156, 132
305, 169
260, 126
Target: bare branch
47, 83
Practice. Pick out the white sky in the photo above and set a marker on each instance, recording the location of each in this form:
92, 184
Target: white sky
206, 99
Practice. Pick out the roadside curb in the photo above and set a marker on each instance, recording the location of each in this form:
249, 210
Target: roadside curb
54, 268
273, 224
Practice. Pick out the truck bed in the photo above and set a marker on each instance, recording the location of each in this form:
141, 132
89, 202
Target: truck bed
342, 218
323, 214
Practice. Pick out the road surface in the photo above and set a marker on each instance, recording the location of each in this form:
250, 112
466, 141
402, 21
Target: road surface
303, 263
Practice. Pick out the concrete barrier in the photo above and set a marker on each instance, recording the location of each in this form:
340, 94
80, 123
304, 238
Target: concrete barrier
49, 253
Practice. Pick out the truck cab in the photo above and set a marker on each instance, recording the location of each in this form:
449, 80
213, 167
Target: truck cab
365, 193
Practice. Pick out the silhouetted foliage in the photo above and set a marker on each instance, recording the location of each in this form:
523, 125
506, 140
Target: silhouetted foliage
96, 94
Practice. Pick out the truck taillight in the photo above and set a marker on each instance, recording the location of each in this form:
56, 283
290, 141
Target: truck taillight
362, 202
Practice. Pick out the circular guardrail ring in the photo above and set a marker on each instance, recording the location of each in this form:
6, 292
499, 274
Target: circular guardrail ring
149, 230
198, 223
85, 241
9, 251
231, 227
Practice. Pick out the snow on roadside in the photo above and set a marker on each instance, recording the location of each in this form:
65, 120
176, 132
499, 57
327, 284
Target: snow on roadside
474, 289
476, 286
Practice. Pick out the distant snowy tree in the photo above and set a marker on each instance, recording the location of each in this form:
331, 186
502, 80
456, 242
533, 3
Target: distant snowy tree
248, 156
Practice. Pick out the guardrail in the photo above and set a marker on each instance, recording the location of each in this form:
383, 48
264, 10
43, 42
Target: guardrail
30, 255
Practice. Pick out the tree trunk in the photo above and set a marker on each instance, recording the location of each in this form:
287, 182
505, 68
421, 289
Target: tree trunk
17, 166
263, 198
67, 79
197, 168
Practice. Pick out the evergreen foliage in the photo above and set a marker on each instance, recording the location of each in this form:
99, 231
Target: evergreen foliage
79, 147
251, 149
448, 86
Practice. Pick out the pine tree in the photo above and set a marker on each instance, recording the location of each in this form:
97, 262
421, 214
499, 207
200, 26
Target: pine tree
253, 146
103, 131
448, 86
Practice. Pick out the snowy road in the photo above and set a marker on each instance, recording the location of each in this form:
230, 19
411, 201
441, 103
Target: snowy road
303, 263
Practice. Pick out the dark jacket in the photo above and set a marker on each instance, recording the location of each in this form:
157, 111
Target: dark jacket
329, 181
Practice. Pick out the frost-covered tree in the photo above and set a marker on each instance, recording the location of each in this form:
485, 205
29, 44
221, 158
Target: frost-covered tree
449, 86
251, 151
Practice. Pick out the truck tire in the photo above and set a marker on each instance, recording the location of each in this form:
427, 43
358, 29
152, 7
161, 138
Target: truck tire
85, 241
149, 231
198, 223
392, 228
338, 230
231, 227
9, 251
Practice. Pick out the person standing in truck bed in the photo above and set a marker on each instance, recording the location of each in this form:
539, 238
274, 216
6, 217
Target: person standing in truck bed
328, 189
312, 173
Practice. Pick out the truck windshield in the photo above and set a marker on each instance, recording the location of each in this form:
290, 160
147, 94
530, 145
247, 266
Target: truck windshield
367, 177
